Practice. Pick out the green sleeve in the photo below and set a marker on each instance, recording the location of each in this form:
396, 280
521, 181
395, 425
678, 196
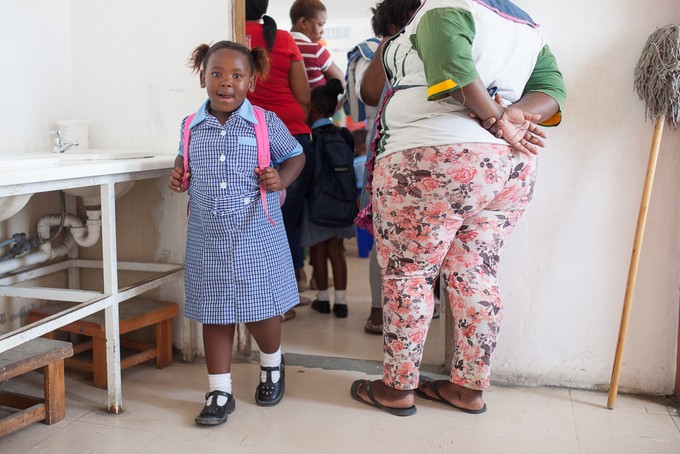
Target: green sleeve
547, 78
443, 40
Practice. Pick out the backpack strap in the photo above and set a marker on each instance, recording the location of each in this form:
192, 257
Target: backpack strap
352, 105
185, 148
263, 158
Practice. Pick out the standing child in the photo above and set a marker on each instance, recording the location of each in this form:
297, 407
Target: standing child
238, 267
321, 229
308, 18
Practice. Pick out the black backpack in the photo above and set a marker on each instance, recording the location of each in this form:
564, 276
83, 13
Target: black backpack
333, 192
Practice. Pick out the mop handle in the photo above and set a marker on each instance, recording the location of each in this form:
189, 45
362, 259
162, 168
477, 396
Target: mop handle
635, 259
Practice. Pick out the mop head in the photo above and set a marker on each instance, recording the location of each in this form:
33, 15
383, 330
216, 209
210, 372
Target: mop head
657, 75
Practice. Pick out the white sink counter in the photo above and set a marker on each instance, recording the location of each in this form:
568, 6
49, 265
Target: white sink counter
25, 174
47, 175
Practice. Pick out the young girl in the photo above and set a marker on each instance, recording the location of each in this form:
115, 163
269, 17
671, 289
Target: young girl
238, 267
326, 242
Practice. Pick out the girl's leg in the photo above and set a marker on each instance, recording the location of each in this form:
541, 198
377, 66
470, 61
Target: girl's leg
336, 255
217, 343
319, 255
267, 334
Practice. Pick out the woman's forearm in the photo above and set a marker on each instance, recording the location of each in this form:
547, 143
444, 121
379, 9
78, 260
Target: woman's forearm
538, 103
475, 97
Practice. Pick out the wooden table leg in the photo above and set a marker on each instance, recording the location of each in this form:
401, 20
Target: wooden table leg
55, 394
99, 361
163, 344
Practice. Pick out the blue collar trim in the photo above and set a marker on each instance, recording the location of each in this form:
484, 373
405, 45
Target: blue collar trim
245, 112
322, 122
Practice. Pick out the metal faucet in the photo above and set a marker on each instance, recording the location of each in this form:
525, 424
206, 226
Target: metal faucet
59, 147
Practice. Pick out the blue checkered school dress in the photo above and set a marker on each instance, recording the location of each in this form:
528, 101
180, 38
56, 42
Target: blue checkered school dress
238, 267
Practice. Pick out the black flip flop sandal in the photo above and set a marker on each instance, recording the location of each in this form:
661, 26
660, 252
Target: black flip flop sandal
431, 384
374, 403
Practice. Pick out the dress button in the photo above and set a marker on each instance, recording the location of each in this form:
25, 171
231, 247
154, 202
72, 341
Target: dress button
223, 158
223, 132
223, 185
246, 201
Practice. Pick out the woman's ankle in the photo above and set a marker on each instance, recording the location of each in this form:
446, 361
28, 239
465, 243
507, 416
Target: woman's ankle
472, 398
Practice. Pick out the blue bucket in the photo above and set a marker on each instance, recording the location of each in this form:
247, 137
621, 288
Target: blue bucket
364, 242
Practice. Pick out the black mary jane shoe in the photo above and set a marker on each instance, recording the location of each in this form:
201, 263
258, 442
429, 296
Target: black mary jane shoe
214, 414
340, 310
323, 307
269, 393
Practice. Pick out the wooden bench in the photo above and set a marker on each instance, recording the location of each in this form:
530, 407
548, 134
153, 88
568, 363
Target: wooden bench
134, 314
48, 356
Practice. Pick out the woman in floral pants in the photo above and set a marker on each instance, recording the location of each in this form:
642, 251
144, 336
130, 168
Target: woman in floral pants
454, 171
454, 207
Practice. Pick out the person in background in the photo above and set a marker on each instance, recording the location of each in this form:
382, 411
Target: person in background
447, 189
366, 80
286, 93
326, 243
359, 136
238, 267
308, 18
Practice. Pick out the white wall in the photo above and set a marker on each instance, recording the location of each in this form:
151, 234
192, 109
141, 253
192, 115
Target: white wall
565, 270
121, 65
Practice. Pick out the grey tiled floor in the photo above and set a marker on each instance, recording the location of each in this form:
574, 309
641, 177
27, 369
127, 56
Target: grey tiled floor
324, 355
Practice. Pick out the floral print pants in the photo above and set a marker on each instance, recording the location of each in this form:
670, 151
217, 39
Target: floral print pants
448, 208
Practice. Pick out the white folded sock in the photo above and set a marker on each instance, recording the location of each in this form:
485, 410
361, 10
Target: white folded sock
270, 360
219, 382
340, 297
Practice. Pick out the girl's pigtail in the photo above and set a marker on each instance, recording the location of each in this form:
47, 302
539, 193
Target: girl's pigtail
197, 57
261, 59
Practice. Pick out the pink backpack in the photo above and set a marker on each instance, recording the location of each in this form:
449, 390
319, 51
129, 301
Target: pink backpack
263, 157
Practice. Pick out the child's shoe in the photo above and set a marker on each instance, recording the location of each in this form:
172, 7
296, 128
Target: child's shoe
323, 307
340, 310
213, 414
269, 393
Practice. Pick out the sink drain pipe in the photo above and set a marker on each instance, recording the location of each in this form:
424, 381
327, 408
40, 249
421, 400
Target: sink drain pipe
85, 235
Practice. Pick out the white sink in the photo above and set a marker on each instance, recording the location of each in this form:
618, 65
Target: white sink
28, 161
11, 205
91, 194
103, 155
